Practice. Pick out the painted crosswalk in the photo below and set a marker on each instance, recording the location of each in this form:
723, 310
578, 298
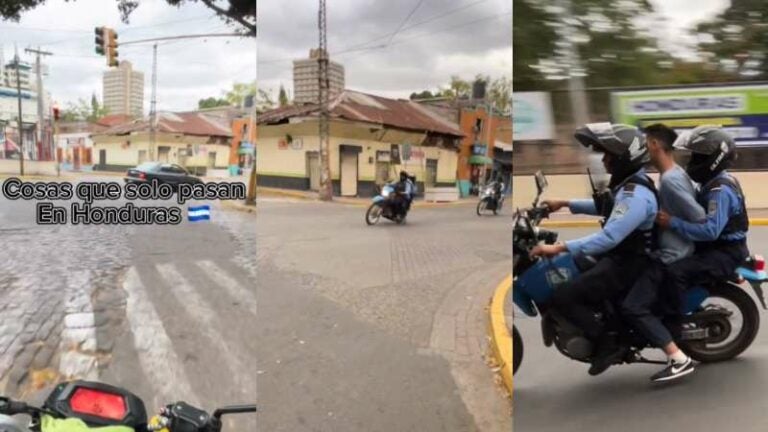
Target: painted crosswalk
167, 373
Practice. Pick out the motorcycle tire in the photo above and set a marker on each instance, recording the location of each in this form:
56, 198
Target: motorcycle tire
368, 214
481, 206
517, 350
751, 315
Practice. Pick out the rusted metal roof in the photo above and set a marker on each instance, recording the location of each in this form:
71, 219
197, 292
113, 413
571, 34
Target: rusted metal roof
191, 123
362, 107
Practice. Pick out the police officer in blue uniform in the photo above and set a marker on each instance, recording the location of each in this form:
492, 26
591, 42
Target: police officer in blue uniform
721, 239
621, 249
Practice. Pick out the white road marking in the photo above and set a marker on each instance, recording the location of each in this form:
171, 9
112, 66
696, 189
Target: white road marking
78, 339
196, 306
234, 288
157, 357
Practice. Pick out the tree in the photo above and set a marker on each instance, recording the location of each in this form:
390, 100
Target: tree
239, 92
458, 88
283, 97
242, 12
426, 94
500, 92
211, 102
533, 41
84, 111
97, 111
736, 40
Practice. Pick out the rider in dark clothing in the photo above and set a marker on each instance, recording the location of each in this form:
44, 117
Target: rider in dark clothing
721, 239
405, 189
621, 248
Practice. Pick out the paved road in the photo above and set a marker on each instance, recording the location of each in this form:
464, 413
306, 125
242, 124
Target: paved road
555, 394
358, 328
378, 328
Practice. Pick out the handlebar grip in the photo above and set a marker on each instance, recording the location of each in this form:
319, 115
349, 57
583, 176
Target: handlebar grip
234, 409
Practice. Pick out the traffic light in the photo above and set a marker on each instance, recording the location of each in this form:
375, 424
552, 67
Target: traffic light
100, 45
106, 44
112, 54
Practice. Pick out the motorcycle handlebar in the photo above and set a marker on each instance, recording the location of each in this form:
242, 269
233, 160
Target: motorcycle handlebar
234, 409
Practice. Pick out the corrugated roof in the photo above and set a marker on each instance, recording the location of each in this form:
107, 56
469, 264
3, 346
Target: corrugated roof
191, 123
114, 120
357, 106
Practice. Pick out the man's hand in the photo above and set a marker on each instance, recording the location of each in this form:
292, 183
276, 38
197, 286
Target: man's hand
663, 219
548, 250
555, 205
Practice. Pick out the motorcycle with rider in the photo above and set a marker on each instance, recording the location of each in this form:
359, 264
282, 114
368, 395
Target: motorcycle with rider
577, 287
394, 201
491, 197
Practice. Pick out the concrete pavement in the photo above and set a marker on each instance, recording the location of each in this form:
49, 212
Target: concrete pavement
396, 313
553, 393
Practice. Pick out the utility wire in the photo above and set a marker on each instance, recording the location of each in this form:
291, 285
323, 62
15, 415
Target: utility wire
402, 23
364, 45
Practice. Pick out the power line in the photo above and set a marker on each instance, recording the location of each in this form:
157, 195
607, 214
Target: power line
402, 23
357, 47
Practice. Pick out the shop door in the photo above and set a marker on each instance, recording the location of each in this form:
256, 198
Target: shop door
348, 173
313, 170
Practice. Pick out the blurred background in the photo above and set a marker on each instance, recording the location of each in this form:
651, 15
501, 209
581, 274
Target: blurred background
679, 62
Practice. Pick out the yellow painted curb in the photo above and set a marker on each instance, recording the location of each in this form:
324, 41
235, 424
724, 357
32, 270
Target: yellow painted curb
498, 329
239, 207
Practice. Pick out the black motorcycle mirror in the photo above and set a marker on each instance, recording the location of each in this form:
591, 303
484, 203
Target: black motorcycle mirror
541, 184
234, 409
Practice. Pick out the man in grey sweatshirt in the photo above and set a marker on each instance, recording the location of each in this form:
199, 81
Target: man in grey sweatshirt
677, 196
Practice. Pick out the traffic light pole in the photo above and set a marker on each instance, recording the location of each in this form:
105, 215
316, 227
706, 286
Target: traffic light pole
21, 126
40, 92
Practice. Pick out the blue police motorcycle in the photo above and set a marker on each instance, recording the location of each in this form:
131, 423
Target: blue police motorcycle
389, 204
719, 319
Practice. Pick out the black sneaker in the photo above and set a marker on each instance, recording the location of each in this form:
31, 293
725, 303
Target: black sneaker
674, 371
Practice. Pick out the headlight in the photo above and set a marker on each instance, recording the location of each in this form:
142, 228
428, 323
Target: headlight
385, 192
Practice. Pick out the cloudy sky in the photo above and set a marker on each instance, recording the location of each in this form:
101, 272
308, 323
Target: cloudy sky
441, 38
187, 70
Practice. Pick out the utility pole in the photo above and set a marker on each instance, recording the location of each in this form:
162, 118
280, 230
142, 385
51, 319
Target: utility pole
40, 93
21, 127
326, 185
153, 106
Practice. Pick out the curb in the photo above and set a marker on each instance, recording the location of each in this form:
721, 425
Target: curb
237, 206
591, 223
498, 330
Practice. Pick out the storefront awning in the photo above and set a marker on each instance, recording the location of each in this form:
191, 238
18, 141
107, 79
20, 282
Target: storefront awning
480, 160
507, 147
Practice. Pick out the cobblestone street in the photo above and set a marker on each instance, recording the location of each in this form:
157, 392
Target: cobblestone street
358, 328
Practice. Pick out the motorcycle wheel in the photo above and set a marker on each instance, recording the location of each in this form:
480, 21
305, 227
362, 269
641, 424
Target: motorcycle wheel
707, 351
481, 206
517, 350
373, 215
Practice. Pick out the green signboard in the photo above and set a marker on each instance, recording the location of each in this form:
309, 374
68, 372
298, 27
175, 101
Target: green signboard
742, 110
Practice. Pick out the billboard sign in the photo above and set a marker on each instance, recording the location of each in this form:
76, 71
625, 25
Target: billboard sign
532, 116
742, 110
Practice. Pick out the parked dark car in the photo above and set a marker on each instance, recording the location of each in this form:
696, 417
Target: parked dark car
171, 174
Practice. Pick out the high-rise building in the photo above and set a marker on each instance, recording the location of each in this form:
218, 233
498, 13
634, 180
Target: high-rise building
26, 73
124, 90
306, 86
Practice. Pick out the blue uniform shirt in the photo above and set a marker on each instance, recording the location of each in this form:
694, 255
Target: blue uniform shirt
632, 210
721, 204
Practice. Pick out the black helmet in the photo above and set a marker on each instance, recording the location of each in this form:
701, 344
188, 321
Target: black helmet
713, 150
625, 143
403, 175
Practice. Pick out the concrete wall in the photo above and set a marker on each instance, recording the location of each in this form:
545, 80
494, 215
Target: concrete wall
577, 186
11, 167
290, 161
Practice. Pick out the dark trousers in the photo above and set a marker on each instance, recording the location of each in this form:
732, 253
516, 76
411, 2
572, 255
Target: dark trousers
711, 261
608, 280
638, 306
